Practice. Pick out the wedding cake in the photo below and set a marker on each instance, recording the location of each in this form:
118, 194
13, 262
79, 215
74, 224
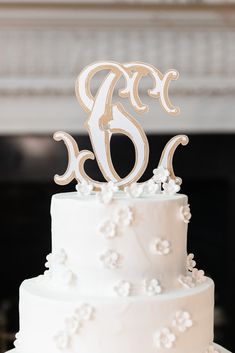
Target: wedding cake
119, 278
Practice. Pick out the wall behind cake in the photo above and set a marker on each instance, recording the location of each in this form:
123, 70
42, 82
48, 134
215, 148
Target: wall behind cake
44, 44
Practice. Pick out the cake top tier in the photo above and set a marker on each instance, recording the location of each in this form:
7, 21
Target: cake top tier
131, 244
107, 116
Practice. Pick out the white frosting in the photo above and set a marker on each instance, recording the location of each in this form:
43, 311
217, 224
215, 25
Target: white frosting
77, 227
116, 280
114, 325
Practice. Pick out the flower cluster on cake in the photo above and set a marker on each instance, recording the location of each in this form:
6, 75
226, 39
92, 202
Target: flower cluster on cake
119, 279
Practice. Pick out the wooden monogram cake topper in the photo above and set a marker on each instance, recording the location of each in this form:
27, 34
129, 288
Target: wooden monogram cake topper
106, 117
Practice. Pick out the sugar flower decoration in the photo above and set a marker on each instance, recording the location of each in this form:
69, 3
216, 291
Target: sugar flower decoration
198, 276
190, 262
111, 259
124, 217
185, 213
153, 287
171, 188
134, 190
84, 188
107, 192
164, 338
162, 246
192, 279
123, 289
85, 312
212, 349
186, 281
150, 187
160, 174
62, 340
182, 321
73, 324
57, 258
58, 272
108, 229
17, 342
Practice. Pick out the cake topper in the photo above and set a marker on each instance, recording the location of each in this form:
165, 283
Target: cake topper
106, 117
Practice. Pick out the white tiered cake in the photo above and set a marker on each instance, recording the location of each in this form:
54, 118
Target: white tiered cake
119, 279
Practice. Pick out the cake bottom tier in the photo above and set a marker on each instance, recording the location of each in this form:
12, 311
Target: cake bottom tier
219, 348
178, 322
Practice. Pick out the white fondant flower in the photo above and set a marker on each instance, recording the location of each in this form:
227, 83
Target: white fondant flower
160, 174
162, 246
65, 276
150, 187
84, 188
62, 340
134, 190
85, 312
17, 343
194, 278
72, 325
212, 349
123, 289
185, 213
171, 188
182, 321
107, 192
108, 229
164, 338
198, 276
190, 263
111, 259
58, 258
153, 287
186, 281
124, 217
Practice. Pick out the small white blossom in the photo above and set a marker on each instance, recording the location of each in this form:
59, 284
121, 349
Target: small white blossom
150, 187
198, 276
72, 325
84, 188
85, 312
108, 229
107, 192
194, 278
123, 289
182, 321
185, 213
171, 188
164, 338
111, 259
212, 349
57, 258
134, 190
190, 263
186, 281
58, 273
124, 217
153, 287
17, 342
162, 246
62, 340
160, 174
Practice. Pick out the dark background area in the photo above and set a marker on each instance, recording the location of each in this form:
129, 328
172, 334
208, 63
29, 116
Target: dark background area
28, 164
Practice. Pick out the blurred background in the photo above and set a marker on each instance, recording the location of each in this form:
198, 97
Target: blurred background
43, 46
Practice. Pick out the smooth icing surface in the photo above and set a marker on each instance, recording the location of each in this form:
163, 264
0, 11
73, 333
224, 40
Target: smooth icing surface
114, 324
103, 247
